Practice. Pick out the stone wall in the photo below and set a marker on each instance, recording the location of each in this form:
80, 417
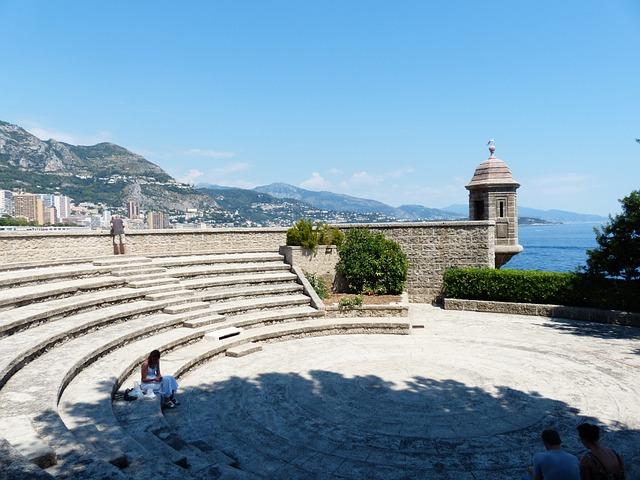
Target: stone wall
431, 247
544, 310
17, 247
321, 263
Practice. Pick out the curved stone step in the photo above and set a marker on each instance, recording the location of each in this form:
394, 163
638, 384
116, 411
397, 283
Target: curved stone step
11, 278
138, 272
242, 279
96, 408
171, 294
152, 282
21, 435
250, 304
229, 268
96, 387
249, 291
63, 363
251, 257
14, 466
120, 260
20, 318
184, 307
19, 349
276, 315
21, 295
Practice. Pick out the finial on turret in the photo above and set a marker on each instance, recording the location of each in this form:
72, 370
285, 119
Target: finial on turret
492, 148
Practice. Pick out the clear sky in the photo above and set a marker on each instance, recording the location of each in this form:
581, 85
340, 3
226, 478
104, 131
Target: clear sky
392, 100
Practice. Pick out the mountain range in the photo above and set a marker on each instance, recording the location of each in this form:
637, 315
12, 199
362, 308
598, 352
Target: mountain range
562, 216
110, 174
346, 203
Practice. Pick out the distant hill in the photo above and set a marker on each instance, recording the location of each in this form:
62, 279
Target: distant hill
110, 174
534, 221
328, 200
547, 215
419, 212
347, 203
21, 150
103, 173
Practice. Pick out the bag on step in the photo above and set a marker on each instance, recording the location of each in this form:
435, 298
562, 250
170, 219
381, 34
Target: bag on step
134, 393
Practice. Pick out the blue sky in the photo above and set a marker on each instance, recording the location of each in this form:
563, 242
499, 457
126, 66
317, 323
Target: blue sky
393, 100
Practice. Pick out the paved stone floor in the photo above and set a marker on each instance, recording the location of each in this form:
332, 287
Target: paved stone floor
464, 398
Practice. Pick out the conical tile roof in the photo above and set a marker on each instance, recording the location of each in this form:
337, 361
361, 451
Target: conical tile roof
492, 171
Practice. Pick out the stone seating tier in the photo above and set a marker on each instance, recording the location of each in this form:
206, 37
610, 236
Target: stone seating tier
70, 335
96, 388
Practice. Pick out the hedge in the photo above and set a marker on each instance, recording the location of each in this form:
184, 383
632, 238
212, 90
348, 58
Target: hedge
532, 286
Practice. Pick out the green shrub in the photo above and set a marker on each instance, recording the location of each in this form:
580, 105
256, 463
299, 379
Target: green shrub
318, 284
370, 262
347, 303
305, 234
328, 235
531, 286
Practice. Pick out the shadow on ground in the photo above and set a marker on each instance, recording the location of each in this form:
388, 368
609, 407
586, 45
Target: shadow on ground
327, 425
592, 329
284, 425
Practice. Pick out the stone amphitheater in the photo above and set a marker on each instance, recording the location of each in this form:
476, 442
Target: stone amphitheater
272, 388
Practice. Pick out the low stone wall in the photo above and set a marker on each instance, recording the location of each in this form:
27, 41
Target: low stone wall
321, 263
431, 247
615, 317
335, 311
18, 247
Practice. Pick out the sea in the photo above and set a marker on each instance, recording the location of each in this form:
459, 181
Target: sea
553, 247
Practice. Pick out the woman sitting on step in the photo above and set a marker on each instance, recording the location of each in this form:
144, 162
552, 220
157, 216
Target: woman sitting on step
166, 385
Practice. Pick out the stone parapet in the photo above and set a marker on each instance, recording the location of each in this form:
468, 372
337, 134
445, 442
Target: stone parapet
431, 247
18, 247
321, 263
544, 310
398, 310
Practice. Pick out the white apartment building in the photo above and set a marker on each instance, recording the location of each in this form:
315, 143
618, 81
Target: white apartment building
6, 202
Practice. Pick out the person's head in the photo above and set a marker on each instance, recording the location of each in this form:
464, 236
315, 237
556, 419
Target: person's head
154, 357
589, 433
551, 438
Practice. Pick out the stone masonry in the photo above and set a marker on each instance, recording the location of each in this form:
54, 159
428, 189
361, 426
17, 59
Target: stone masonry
322, 262
431, 247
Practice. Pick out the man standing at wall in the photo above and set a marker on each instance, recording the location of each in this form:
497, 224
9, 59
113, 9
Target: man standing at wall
117, 234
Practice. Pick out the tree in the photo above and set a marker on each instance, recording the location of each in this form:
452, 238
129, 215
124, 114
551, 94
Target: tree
371, 263
618, 251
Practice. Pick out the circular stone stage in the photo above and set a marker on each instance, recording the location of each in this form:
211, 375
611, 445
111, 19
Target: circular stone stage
464, 398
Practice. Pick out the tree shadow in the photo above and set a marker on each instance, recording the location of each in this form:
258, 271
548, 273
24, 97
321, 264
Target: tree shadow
323, 424
326, 425
594, 329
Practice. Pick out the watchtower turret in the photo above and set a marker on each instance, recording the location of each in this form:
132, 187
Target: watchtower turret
492, 196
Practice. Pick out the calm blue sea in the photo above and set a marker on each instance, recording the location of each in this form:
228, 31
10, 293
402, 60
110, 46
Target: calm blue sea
556, 248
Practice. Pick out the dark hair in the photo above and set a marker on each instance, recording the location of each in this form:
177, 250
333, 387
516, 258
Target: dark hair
551, 437
154, 358
589, 432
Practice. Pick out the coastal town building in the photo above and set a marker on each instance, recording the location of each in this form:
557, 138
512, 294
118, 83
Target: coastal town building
6, 202
50, 215
29, 206
156, 220
133, 210
63, 207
